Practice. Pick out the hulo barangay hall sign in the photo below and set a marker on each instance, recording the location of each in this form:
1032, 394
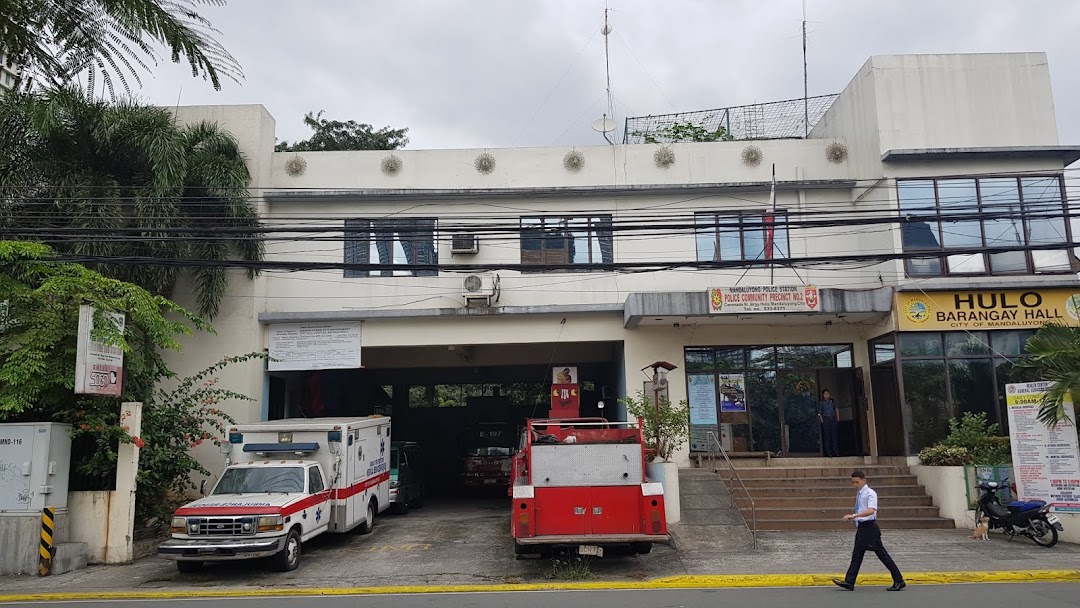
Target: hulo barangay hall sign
1000, 309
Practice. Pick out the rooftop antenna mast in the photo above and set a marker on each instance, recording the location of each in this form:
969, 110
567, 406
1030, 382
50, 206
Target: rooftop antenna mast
606, 125
805, 79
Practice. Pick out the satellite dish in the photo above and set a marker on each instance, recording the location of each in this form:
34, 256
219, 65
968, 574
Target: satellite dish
603, 125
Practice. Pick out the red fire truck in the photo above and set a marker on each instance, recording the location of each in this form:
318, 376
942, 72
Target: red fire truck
580, 483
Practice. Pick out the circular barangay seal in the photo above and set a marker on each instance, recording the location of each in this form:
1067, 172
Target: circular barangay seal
917, 311
1072, 306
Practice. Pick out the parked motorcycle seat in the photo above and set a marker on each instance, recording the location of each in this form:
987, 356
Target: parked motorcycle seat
1023, 506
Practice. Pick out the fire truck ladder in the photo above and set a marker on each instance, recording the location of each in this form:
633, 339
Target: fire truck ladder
731, 486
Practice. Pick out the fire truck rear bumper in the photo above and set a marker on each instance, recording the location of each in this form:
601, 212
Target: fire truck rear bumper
220, 550
595, 539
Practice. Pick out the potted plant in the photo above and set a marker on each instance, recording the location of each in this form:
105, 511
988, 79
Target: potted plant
666, 428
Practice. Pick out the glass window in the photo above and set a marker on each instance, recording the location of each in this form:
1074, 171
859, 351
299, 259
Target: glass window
405, 242
1045, 222
742, 236
699, 360
996, 213
564, 241
764, 411
958, 197
762, 357
1010, 343
965, 344
883, 350
920, 344
315, 481
844, 358
972, 384
924, 393
730, 358
261, 480
803, 357
1001, 196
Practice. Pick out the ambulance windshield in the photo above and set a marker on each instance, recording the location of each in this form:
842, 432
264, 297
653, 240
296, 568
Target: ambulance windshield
261, 480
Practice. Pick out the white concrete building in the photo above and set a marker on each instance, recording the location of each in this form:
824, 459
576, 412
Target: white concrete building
927, 138
9, 72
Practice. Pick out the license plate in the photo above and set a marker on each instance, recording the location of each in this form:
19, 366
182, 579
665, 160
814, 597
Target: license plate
491, 481
591, 550
1053, 519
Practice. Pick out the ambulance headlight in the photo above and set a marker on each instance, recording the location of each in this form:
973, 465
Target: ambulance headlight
271, 523
179, 525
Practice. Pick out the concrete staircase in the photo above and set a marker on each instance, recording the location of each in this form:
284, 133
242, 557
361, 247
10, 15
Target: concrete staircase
708, 519
815, 494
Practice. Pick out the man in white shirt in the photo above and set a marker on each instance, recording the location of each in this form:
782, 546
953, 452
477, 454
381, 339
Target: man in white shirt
868, 536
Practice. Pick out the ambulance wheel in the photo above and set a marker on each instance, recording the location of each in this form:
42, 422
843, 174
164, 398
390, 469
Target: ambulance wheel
643, 548
369, 524
188, 567
288, 558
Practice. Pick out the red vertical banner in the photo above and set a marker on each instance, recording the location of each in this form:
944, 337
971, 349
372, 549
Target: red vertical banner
565, 401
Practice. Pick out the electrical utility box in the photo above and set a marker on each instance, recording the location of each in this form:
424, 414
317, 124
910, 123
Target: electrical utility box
35, 466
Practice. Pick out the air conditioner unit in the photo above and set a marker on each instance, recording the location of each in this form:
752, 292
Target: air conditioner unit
480, 288
464, 244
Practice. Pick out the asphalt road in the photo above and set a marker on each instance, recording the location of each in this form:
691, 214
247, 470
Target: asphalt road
984, 596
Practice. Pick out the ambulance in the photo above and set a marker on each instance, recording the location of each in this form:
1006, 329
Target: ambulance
286, 482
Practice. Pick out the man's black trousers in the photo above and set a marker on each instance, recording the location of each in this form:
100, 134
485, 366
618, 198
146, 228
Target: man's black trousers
868, 538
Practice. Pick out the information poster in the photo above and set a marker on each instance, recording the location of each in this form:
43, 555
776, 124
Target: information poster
733, 393
99, 367
701, 393
311, 346
1046, 460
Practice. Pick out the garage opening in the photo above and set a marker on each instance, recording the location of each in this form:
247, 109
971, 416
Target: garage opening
463, 405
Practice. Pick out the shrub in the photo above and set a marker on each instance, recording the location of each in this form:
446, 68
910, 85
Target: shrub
945, 456
981, 440
674, 423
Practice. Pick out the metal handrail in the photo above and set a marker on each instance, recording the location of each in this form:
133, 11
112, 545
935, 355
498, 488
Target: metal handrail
736, 477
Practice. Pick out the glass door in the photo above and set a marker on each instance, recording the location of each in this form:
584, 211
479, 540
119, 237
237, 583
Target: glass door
798, 411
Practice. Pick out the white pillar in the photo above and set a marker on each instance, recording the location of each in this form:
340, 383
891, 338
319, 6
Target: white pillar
119, 547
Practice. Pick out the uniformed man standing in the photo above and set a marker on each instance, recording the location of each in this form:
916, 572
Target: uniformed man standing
868, 536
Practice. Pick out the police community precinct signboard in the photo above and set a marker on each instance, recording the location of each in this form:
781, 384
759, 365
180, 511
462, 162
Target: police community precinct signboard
749, 299
311, 346
971, 310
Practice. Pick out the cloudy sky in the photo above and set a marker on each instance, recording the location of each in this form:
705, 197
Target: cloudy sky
492, 73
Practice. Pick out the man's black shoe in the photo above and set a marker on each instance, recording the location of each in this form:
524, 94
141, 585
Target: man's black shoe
897, 586
843, 584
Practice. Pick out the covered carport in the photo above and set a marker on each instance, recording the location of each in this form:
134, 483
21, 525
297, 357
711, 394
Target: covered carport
450, 398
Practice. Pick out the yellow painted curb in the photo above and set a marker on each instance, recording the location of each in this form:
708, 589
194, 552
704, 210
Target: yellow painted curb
689, 581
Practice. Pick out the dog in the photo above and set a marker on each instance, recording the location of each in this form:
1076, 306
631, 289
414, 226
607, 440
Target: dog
982, 529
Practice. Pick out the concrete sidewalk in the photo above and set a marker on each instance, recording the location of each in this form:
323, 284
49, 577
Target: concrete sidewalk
468, 546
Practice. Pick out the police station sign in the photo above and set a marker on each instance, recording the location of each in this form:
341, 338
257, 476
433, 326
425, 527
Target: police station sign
970, 310
764, 298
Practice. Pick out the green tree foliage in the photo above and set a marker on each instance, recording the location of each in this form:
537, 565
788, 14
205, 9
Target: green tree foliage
334, 135
123, 180
1054, 355
677, 132
56, 41
39, 317
40, 328
673, 423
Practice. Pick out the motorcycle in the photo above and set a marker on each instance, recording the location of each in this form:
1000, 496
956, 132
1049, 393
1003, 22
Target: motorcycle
1030, 518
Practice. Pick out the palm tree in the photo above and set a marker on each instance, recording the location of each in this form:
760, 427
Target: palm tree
122, 180
56, 41
1054, 355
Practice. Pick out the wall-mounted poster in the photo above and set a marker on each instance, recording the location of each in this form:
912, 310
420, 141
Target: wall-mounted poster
564, 375
732, 392
702, 398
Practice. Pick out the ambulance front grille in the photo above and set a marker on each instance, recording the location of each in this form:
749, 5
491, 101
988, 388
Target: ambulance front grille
221, 526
